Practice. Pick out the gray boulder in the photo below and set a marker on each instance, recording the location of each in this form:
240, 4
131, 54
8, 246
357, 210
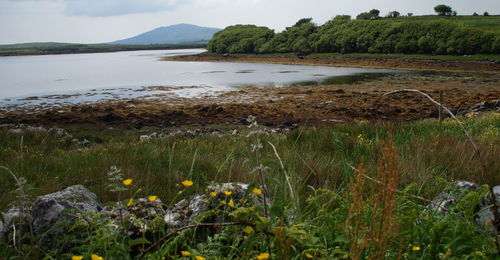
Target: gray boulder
60, 206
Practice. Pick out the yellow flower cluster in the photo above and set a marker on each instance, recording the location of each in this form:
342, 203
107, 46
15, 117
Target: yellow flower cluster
96, 257
187, 183
127, 182
257, 191
263, 256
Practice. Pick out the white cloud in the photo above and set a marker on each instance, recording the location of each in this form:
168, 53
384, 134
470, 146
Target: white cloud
88, 21
98, 8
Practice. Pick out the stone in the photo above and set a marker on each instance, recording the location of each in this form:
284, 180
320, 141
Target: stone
9, 216
186, 210
486, 105
34, 129
16, 131
85, 143
145, 138
59, 133
54, 208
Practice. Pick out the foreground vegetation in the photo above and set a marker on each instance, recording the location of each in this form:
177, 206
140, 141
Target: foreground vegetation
333, 208
68, 48
454, 35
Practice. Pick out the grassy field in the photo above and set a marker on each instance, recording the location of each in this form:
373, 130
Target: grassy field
427, 156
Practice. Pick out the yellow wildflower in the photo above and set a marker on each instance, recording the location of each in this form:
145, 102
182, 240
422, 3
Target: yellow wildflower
76, 257
199, 257
415, 248
187, 183
248, 229
257, 191
227, 193
309, 256
185, 253
263, 256
127, 182
231, 203
152, 198
213, 194
96, 257
129, 203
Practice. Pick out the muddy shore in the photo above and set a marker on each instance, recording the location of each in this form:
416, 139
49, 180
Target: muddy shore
490, 67
316, 105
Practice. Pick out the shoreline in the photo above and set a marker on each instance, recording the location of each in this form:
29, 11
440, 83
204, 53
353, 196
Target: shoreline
314, 105
489, 67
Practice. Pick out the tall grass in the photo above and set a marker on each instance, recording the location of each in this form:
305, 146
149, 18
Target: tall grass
321, 206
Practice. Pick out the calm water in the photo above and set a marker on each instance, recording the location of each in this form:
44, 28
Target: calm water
92, 77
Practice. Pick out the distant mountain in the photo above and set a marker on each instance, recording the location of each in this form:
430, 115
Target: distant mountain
179, 33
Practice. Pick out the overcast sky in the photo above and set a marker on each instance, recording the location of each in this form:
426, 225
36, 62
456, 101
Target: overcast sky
94, 21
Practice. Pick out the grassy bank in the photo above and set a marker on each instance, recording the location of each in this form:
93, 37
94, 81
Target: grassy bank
67, 48
427, 156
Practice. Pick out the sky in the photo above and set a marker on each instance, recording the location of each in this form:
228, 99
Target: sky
97, 21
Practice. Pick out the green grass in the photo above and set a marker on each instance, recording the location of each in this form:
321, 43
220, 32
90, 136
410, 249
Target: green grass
430, 155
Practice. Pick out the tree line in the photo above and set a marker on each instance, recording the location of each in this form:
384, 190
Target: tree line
344, 35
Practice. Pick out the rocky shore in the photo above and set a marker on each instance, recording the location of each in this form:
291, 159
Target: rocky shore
315, 105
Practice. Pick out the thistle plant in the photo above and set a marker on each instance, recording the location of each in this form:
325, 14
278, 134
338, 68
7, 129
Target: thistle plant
118, 184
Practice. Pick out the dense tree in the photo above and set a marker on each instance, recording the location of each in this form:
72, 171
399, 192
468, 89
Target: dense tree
303, 21
343, 35
239, 39
372, 15
486, 14
363, 16
343, 17
475, 14
393, 14
443, 9
288, 40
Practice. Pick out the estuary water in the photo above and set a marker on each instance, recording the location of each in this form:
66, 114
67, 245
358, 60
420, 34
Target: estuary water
83, 78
